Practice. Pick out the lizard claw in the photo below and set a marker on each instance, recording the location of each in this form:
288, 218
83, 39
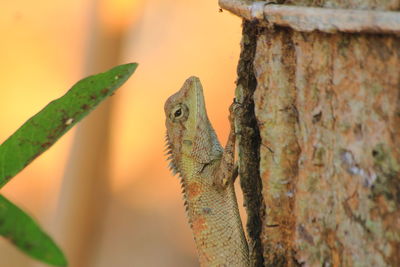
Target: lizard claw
235, 110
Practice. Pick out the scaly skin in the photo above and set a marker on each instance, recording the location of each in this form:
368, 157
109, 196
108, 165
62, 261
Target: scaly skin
207, 174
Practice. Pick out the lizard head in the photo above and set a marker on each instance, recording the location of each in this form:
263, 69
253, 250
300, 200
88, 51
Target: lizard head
190, 136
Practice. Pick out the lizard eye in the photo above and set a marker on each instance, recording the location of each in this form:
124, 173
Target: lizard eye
179, 113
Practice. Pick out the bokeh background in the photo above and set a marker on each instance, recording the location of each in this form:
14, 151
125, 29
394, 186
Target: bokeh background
103, 191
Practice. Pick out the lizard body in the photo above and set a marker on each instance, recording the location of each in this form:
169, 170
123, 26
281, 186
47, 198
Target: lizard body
207, 174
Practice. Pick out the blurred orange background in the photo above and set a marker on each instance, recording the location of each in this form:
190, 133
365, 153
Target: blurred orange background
103, 191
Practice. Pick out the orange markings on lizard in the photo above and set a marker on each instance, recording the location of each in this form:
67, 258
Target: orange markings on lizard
193, 190
199, 224
218, 232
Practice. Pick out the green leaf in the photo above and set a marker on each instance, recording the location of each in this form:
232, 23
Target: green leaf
23, 232
46, 127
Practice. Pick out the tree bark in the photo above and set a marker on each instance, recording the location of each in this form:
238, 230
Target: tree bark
85, 190
327, 113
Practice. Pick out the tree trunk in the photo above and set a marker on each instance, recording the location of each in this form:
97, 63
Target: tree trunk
319, 144
85, 190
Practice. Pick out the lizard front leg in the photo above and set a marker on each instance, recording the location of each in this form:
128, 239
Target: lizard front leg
227, 172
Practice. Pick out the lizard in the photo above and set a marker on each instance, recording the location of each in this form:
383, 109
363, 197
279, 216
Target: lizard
207, 173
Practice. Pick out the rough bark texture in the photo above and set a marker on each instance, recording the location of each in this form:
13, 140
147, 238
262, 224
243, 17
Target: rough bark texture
249, 143
328, 113
275, 107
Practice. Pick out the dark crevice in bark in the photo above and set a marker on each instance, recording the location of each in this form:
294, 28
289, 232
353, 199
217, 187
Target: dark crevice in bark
249, 143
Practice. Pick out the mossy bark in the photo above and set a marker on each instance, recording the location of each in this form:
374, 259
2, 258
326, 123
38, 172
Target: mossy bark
327, 108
